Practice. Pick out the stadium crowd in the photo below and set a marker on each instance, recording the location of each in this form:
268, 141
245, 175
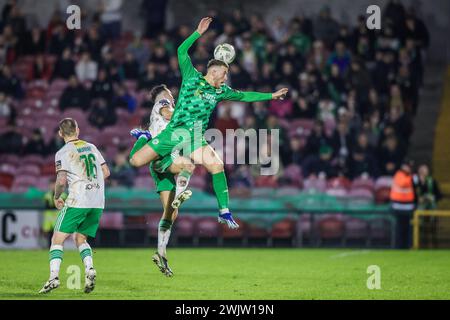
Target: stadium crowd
353, 91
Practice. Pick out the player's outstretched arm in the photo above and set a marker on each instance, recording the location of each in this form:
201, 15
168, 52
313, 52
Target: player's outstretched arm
250, 96
185, 63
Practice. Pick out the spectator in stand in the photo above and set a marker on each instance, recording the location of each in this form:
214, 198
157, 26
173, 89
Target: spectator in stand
10, 84
36, 144
428, 195
55, 143
60, 39
41, 68
109, 64
225, 121
272, 123
130, 67
74, 95
102, 87
111, 19
155, 16
281, 108
100, 115
303, 109
341, 142
122, 174
139, 51
390, 156
316, 139
427, 189
123, 99
295, 154
341, 57
326, 28
65, 66
35, 42
86, 68
93, 42
7, 111
320, 164
361, 160
150, 78
11, 141
401, 123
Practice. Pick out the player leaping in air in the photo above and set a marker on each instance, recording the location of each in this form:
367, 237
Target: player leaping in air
80, 165
172, 192
198, 97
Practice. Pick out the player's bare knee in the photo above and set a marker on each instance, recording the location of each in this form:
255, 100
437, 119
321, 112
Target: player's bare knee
189, 166
215, 168
80, 239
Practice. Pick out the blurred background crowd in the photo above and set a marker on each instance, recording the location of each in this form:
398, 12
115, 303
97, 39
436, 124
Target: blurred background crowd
353, 91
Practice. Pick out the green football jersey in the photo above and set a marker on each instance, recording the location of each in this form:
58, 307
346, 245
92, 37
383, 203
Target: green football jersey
197, 98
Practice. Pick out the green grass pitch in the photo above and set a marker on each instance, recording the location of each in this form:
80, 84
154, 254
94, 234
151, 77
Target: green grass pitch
236, 274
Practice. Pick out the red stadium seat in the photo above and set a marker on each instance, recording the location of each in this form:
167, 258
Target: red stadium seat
284, 229
6, 180
228, 233
356, 229
382, 195
331, 228
184, 226
207, 227
112, 221
339, 182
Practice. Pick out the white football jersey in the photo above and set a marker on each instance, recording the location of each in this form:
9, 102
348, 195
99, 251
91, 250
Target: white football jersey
157, 122
83, 162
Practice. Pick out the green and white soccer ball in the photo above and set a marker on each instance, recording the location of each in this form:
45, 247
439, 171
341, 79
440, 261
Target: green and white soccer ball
224, 52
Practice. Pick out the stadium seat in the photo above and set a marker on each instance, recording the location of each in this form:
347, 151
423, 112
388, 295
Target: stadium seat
316, 184
6, 180
112, 221
8, 168
184, 227
382, 195
339, 182
356, 229
239, 233
284, 230
266, 181
380, 230
330, 228
366, 183
287, 191
383, 182
361, 193
258, 229
293, 175
28, 169
48, 169
207, 228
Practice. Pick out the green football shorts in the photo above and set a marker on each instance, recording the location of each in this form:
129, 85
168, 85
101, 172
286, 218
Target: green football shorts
163, 178
81, 220
181, 139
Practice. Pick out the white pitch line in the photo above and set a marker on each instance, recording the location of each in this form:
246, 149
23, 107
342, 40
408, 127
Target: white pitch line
350, 253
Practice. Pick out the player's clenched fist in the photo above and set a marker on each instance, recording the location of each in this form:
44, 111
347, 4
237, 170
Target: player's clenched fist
204, 25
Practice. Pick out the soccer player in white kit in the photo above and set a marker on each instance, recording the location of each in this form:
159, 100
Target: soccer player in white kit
173, 192
82, 167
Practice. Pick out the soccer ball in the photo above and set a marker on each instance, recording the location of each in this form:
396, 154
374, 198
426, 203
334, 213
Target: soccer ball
224, 52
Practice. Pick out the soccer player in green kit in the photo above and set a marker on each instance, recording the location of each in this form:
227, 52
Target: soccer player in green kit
197, 99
